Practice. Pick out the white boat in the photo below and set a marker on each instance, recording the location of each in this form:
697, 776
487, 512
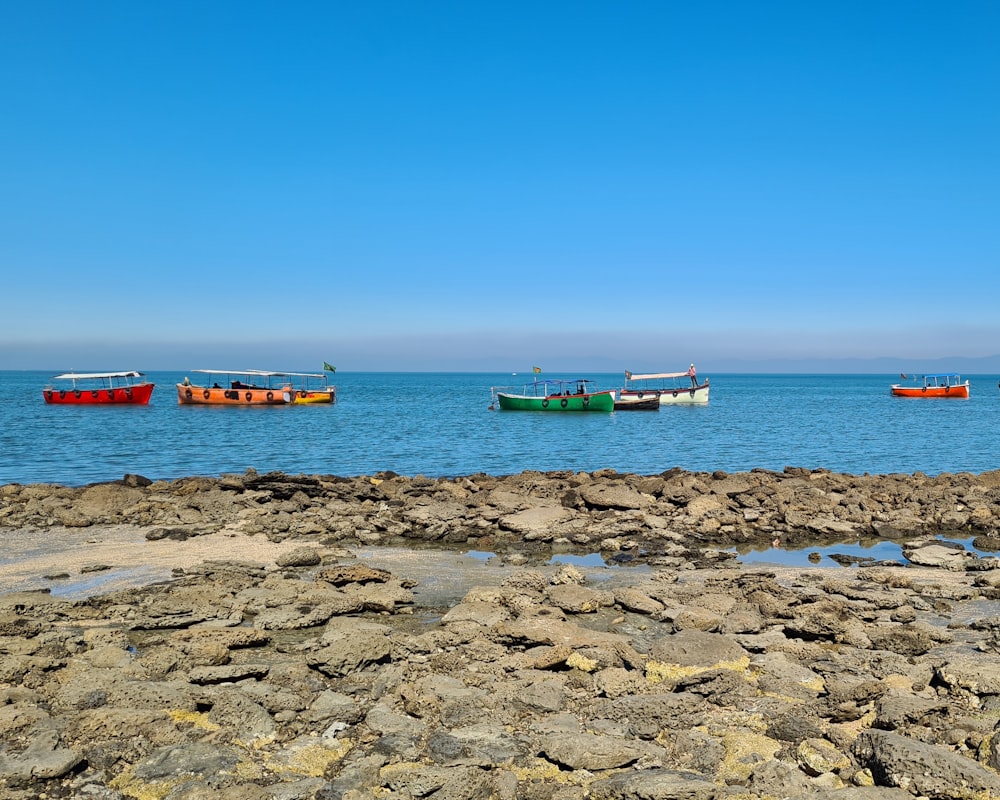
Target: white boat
672, 388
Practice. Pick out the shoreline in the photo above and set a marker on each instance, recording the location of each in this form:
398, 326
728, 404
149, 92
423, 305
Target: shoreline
315, 637
576, 511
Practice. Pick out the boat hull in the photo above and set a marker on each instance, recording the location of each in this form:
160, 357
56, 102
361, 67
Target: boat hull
137, 395
694, 395
598, 401
206, 396
960, 392
312, 398
638, 404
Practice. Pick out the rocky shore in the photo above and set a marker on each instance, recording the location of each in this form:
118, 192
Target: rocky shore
674, 672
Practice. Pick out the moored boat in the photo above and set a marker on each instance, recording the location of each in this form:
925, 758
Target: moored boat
309, 388
670, 388
98, 389
223, 387
941, 384
651, 403
554, 395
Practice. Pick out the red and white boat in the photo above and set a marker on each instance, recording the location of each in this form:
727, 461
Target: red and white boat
98, 389
942, 384
672, 388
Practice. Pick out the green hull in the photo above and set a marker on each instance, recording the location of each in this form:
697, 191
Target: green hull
602, 401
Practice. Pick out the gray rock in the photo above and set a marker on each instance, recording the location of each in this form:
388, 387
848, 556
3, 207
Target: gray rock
590, 752
195, 758
923, 769
654, 784
696, 648
299, 557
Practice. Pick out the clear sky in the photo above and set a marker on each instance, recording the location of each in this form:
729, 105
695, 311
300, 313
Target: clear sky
493, 185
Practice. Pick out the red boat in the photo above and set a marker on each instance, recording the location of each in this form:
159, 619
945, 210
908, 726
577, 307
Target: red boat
98, 389
944, 384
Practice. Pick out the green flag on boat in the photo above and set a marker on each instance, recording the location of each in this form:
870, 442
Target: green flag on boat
328, 368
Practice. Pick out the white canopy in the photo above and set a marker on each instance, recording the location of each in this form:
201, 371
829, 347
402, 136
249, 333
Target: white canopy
657, 375
236, 372
91, 375
260, 373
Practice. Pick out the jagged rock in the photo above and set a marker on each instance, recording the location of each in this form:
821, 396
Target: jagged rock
923, 769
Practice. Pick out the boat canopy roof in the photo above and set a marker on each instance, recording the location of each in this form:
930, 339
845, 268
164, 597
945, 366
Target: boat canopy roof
557, 382
941, 375
656, 375
92, 375
544, 384
260, 373
236, 372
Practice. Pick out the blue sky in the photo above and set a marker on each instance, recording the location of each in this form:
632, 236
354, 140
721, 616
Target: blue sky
472, 185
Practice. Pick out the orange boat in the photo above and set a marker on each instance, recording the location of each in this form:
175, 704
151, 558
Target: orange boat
99, 389
942, 384
251, 387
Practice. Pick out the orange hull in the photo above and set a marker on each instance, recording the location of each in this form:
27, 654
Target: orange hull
137, 395
206, 396
961, 391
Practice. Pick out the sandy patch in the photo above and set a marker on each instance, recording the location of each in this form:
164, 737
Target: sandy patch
81, 562
75, 563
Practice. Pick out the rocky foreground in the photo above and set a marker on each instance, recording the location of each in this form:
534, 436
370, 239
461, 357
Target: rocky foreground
680, 674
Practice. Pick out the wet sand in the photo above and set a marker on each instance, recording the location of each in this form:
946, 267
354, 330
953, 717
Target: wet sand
74, 564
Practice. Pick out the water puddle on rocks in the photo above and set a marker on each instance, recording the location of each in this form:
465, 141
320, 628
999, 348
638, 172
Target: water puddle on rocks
849, 553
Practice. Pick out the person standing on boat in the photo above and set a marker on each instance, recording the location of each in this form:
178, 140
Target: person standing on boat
693, 375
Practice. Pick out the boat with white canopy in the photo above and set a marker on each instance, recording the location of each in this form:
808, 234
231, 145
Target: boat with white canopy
98, 389
234, 387
672, 388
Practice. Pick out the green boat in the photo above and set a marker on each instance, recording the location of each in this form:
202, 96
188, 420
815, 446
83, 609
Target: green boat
552, 395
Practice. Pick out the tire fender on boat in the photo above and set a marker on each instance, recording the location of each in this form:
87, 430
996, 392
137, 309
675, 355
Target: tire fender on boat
62, 394
111, 394
76, 393
206, 394
187, 393
249, 396
128, 392
675, 393
692, 392
93, 393
564, 402
640, 395
545, 403
270, 396
586, 402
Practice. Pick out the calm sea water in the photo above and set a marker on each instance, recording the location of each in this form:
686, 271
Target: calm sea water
438, 424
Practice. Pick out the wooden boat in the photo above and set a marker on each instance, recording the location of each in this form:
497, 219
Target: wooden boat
98, 389
223, 387
670, 388
942, 384
309, 388
555, 395
651, 403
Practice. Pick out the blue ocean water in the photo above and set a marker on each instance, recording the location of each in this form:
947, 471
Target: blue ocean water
438, 424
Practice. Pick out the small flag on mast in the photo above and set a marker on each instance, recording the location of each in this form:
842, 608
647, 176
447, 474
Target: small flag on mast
536, 370
902, 375
328, 368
